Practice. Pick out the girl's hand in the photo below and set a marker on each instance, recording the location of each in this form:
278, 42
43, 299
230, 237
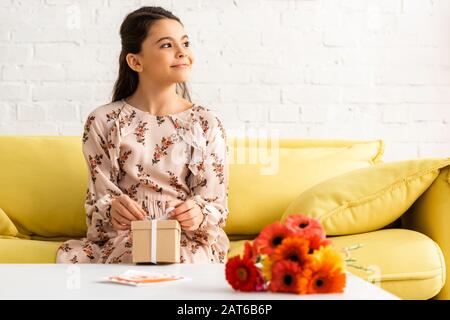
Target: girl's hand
123, 211
188, 214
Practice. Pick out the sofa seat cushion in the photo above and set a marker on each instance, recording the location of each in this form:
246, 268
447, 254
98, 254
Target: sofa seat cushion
405, 263
15, 250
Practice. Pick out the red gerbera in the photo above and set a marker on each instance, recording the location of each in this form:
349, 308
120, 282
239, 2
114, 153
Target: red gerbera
270, 237
304, 226
242, 274
316, 241
249, 251
285, 276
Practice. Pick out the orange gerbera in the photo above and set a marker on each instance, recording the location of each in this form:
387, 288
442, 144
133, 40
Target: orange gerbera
242, 274
285, 276
304, 226
271, 237
294, 249
325, 275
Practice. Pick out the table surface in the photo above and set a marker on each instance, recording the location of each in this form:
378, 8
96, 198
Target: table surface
207, 282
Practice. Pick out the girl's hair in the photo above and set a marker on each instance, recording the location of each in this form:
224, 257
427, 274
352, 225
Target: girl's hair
133, 31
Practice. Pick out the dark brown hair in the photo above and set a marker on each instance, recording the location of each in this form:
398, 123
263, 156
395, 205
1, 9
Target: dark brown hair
133, 31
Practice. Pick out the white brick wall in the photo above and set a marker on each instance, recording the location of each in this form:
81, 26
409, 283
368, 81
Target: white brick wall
350, 69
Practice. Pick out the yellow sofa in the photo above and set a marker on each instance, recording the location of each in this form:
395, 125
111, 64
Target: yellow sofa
44, 180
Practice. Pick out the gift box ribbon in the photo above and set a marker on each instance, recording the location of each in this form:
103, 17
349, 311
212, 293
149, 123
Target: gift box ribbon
165, 216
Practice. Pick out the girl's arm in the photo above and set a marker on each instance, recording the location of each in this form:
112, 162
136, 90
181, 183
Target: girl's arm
102, 184
211, 193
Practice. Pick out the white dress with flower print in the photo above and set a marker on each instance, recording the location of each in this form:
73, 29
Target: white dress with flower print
153, 159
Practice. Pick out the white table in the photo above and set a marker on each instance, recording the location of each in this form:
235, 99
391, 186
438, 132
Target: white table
84, 281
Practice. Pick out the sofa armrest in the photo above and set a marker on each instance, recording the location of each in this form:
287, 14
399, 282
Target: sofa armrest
430, 215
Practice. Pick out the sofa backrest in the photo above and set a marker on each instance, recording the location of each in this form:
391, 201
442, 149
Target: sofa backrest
266, 176
43, 184
43, 180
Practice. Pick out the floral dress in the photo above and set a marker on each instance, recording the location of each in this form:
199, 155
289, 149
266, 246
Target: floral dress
152, 159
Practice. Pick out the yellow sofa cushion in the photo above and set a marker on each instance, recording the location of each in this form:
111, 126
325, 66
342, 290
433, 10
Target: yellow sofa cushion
367, 199
15, 250
405, 263
43, 184
265, 179
7, 228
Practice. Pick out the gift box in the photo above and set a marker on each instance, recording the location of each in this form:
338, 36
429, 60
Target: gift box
156, 241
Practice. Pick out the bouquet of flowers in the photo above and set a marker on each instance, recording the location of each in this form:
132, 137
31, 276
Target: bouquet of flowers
293, 257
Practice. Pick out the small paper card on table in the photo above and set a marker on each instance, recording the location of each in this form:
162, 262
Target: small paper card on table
138, 278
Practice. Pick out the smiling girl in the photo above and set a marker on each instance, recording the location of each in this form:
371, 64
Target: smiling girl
150, 149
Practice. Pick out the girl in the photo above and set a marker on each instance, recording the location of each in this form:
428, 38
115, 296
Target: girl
151, 149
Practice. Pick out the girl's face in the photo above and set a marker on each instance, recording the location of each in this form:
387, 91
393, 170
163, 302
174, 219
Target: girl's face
166, 45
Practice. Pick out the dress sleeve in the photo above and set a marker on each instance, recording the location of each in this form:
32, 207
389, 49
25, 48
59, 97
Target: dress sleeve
102, 183
210, 191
